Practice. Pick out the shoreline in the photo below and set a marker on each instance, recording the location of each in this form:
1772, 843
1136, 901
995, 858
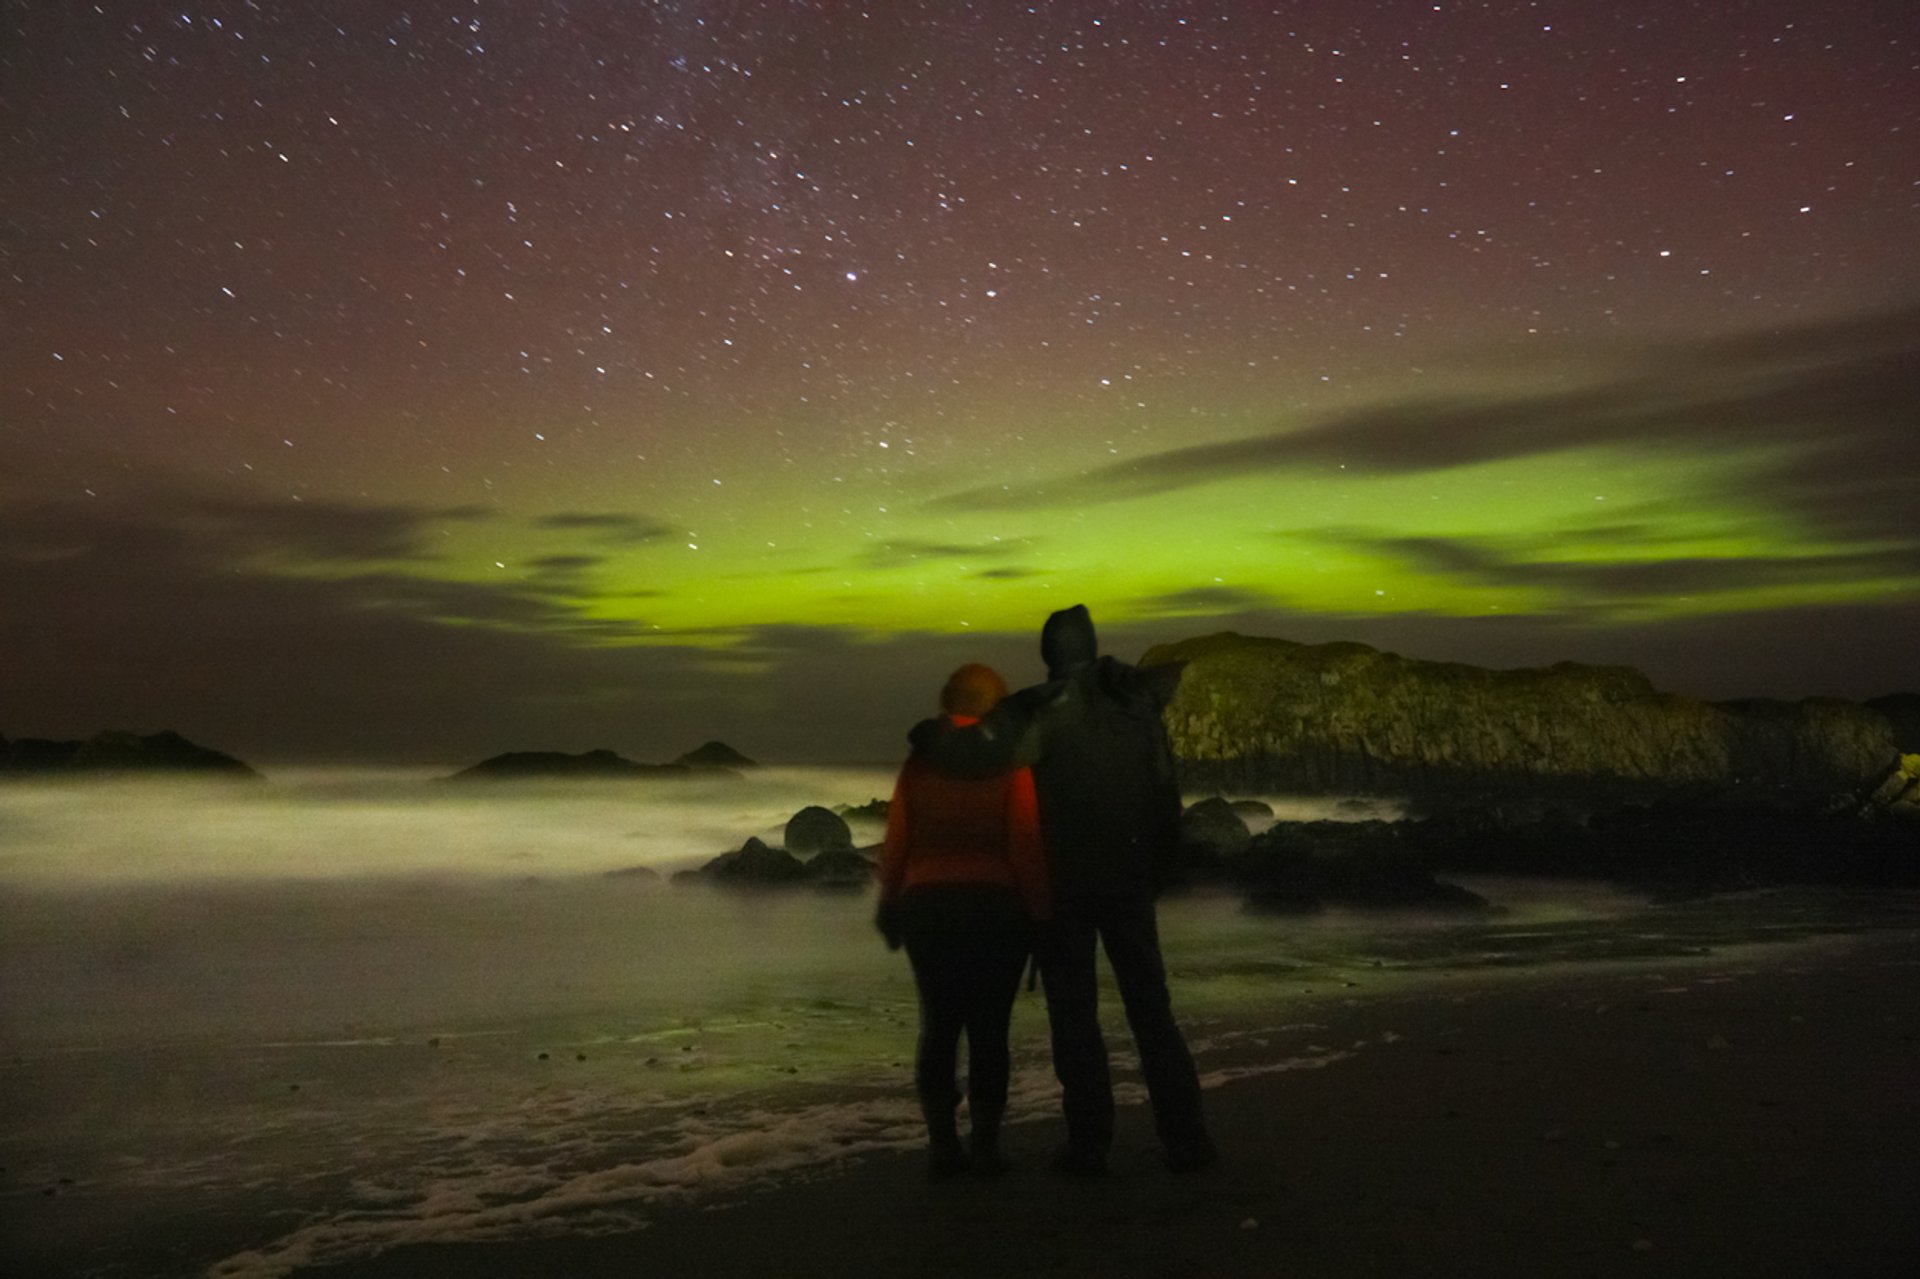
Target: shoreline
1735, 1113
1758, 1094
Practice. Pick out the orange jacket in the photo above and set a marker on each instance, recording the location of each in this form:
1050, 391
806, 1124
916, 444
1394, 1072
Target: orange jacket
957, 830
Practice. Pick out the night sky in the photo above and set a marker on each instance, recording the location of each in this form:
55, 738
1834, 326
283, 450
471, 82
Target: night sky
420, 381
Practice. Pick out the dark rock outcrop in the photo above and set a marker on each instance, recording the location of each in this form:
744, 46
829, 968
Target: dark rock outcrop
715, 755
841, 868
1303, 867
117, 753
757, 864
1212, 828
753, 865
874, 810
1897, 795
520, 765
1271, 715
1256, 813
633, 873
815, 830
1679, 846
1902, 711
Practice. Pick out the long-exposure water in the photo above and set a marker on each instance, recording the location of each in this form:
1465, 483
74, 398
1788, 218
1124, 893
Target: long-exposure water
395, 1008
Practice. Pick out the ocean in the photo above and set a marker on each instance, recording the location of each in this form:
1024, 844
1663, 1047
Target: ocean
342, 1010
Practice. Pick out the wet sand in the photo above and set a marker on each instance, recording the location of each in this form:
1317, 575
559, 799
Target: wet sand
1749, 1113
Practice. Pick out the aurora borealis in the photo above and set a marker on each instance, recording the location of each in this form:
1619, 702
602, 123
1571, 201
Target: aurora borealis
418, 381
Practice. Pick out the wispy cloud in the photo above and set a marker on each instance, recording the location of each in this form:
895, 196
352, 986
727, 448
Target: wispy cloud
1633, 571
609, 526
1837, 399
898, 552
227, 530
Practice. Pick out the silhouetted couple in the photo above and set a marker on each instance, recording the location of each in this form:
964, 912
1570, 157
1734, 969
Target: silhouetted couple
1038, 823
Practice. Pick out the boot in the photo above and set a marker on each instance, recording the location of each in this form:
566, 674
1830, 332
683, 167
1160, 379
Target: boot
946, 1157
986, 1156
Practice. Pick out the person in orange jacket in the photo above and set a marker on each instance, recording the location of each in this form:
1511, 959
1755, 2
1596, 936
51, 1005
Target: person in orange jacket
963, 885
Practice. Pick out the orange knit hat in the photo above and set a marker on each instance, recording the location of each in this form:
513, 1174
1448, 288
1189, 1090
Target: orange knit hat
972, 690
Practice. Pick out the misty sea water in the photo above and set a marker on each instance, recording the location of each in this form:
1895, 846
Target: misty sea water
353, 1009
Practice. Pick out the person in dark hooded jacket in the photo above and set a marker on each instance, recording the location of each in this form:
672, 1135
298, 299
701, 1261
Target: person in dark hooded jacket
1109, 816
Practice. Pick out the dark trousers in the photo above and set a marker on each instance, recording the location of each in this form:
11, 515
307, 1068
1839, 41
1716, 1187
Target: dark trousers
968, 947
1125, 924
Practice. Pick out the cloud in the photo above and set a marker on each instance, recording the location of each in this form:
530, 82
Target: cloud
900, 552
1205, 600
565, 565
226, 530
1640, 573
1837, 397
610, 526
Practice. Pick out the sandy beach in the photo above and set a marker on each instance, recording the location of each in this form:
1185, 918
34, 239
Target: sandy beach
1745, 1114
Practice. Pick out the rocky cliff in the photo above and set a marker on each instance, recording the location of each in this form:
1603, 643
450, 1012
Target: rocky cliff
1270, 715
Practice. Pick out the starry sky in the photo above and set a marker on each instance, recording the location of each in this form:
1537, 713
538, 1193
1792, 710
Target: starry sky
395, 381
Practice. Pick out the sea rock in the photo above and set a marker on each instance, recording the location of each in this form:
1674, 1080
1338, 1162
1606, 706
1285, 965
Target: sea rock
1676, 847
633, 873
520, 765
1897, 795
874, 810
118, 752
841, 868
715, 755
753, 864
1270, 715
815, 830
1212, 828
1902, 711
1370, 865
1256, 813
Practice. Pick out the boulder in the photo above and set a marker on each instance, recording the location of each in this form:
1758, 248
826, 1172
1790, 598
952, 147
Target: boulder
1268, 715
1214, 829
1256, 813
715, 755
815, 830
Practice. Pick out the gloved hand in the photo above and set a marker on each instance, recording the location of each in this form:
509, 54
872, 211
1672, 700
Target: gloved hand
887, 920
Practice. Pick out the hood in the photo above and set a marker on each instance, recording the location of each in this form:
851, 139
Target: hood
1067, 640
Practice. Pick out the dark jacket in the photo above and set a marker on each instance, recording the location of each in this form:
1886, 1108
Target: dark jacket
1102, 766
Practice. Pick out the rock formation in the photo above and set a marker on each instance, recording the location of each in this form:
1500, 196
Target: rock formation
1303, 867
1903, 712
754, 864
715, 755
1897, 795
1275, 716
517, 765
757, 864
842, 868
1214, 826
117, 753
874, 810
815, 830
